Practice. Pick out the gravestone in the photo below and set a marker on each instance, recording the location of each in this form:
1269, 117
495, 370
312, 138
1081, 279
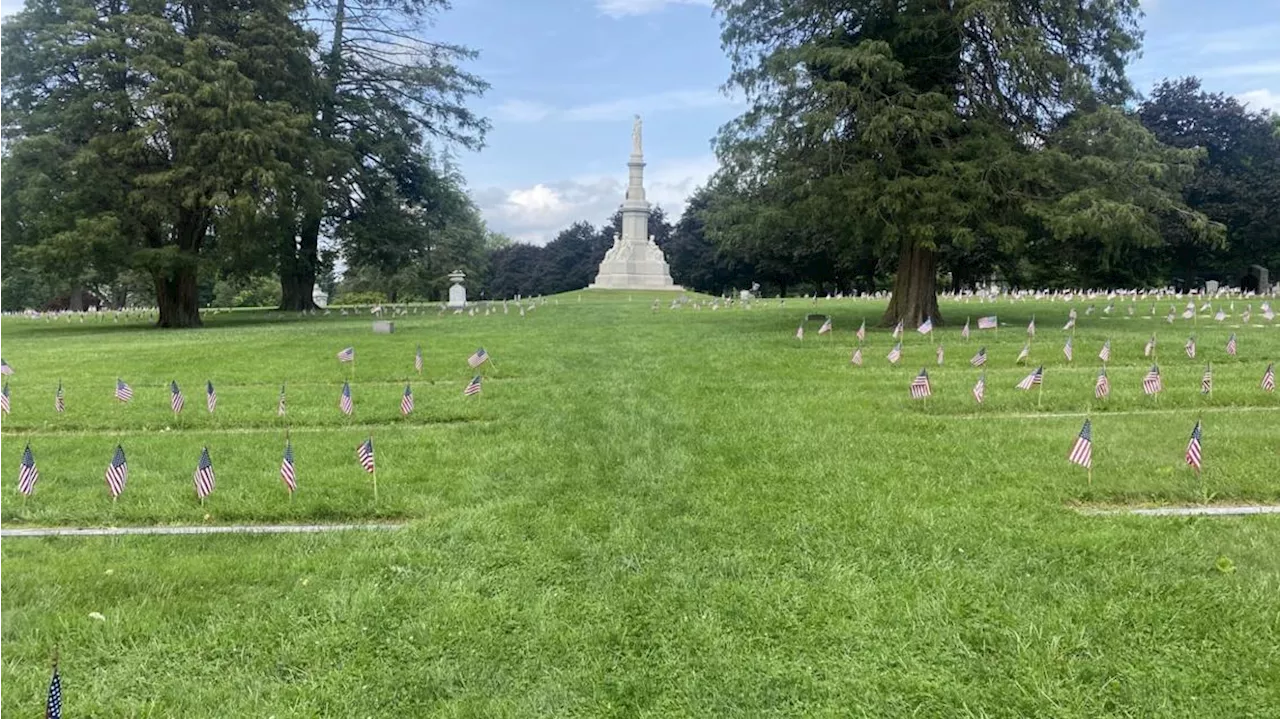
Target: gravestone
384, 327
457, 293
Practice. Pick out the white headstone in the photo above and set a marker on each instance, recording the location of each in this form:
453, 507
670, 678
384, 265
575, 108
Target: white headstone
457, 293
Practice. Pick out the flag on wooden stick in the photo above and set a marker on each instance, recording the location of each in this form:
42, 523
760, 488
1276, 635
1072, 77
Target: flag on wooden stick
1082, 451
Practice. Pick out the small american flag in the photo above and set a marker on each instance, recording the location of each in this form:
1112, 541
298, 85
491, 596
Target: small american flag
1193, 448
203, 476
1105, 353
176, 400
1082, 450
980, 389
1206, 381
473, 387
825, 328
1151, 345
27, 473
1088, 310
1189, 312
1269, 378
1191, 347
857, 357
5, 369
1031, 327
59, 402
920, 386
987, 323
280, 404
53, 705
1066, 349
344, 402
897, 330
925, 327
862, 331
939, 355
895, 354
406, 401
1032, 379
286, 468
1231, 345
117, 473
417, 360
365, 453
479, 357
1102, 387
1248, 312
799, 334
1071, 322
1151, 384
1110, 306
347, 355
1025, 353
4, 398
210, 397
964, 331
1220, 316
124, 392
980, 358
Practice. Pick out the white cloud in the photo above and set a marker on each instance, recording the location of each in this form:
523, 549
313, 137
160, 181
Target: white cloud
626, 8
1262, 99
535, 214
621, 108
1244, 69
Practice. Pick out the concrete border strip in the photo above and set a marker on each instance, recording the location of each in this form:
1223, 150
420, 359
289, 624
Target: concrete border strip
189, 530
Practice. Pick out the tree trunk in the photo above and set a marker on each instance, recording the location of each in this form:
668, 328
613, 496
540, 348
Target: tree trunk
298, 268
915, 289
178, 297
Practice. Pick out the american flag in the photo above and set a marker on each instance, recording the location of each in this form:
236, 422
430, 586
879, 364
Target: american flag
176, 400
286, 468
799, 334
1025, 353
857, 357
939, 355
920, 386
897, 330
117, 473
28, 474
825, 328
347, 355
1032, 379
987, 323
980, 389
210, 397
1088, 310
417, 360
124, 392
895, 354
1102, 387
1220, 316
53, 705
1031, 327
1188, 313
280, 404
1082, 450
1191, 347
862, 331
1110, 306
1193, 448
1151, 345
1269, 378
365, 453
925, 327
203, 477
1066, 349
1072, 315
1071, 322
406, 401
1151, 384
473, 387
980, 358
964, 331
1247, 314
1105, 353
1231, 345
59, 402
344, 402
479, 357
1206, 381
5, 369
4, 398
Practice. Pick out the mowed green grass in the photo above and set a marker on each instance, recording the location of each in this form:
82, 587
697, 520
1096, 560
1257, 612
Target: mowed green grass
665, 513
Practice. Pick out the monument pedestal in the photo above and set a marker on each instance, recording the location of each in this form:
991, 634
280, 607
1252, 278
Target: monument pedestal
457, 293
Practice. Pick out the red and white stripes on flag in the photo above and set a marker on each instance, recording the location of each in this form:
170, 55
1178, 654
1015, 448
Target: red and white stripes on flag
1082, 451
117, 473
1024, 354
124, 392
925, 327
4, 398
940, 355
1269, 378
1206, 380
344, 401
1151, 346
988, 323
203, 477
1031, 327
1193, 448
799, 333
417, 360
406, 401
1190, 347
27, 472
1151, 384
280, 404
920, 386
1105, 353
1231, 345
895, 354
176, 400
1032, 379
964, 331
862, 331
826, 327
286, 468
210, 397
897, 330
347, 355
473, 387
59, 401
1066, 349
856, 359
478, 358
980, 389
365, 454
979, 359
5, 369
1102, 387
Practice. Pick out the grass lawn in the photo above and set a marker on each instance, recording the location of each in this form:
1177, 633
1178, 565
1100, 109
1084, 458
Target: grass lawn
671, 513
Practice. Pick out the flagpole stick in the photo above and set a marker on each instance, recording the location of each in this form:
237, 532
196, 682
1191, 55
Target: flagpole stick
1090, 473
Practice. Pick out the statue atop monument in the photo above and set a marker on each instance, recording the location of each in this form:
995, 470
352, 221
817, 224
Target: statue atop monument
635, 261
